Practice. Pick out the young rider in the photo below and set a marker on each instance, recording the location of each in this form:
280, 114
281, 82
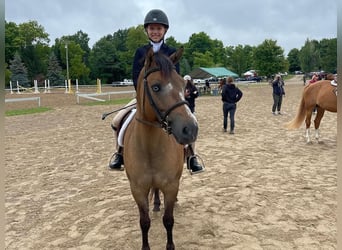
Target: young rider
156, 25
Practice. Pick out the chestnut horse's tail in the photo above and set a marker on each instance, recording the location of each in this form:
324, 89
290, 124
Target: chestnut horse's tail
300, 116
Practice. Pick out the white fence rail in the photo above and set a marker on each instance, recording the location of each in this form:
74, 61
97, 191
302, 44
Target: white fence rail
92, 96
24, 99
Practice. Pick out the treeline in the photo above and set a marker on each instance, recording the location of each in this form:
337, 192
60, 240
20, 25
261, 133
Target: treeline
28, 55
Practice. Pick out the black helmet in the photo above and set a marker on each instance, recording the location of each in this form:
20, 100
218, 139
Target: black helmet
156, 16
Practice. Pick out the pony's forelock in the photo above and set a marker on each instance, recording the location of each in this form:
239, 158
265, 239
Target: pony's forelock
164, 63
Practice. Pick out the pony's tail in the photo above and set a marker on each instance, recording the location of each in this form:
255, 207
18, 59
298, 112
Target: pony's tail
300, 116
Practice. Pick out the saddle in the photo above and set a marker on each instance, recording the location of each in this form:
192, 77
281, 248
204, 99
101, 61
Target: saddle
334, 83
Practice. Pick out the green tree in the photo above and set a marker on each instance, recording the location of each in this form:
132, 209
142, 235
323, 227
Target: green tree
309, 56
8, 75
293, 60
239, 58
102, 59
268, 58
12, 40
198, 44
203, 59
54, 71
328, 55
19, 71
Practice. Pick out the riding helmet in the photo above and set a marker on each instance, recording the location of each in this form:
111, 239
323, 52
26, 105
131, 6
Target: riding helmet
156, 16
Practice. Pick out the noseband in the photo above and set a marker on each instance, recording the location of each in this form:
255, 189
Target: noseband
161, 116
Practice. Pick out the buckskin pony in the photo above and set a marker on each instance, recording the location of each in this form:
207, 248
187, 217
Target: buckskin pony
321, 94
154, 140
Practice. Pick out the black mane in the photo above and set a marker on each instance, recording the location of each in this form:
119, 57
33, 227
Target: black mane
164, 64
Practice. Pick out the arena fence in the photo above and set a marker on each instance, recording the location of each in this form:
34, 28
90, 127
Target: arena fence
24, 99
93, 96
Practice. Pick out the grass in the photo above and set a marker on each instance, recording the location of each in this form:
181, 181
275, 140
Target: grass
27, 111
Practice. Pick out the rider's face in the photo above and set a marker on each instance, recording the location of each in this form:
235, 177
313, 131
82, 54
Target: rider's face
156, 32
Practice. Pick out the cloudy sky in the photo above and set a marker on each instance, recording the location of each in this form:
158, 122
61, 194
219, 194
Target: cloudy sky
245, 22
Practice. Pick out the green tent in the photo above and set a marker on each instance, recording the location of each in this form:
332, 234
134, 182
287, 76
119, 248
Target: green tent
219, 72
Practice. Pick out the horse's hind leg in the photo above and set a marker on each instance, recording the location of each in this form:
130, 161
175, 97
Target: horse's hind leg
317, 121
156, 202
307, 124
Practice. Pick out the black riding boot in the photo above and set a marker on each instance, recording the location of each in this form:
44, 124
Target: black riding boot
117, 160
194, 165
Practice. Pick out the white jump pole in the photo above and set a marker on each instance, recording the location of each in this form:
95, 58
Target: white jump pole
66, 86
36, 86
45, 86
77, 86
11, 87
48, 83
18, 91
98, 89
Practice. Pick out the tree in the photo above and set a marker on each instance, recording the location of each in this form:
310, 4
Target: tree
203, 60
328, 55
198, 44
54, 71
293, 59
12, 40
102, 59
309, 56
19, 71
239, 58
268, 58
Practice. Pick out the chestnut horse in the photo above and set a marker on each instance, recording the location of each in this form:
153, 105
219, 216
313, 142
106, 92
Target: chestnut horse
320, 94
154, 140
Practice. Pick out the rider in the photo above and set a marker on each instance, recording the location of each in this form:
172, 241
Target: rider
156, 25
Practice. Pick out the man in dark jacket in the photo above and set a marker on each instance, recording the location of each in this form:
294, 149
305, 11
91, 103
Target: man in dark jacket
231, 94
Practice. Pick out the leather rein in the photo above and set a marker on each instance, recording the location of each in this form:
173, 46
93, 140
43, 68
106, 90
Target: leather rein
161, 116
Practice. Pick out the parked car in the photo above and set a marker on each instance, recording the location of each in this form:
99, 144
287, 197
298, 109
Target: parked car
125, 82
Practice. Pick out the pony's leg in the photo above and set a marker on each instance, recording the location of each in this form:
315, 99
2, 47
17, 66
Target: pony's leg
307, 135
317, 121
156, 203
145, 223
308, 123
141, 198
168, 219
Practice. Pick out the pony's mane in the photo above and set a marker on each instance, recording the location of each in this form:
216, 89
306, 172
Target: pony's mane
164, 63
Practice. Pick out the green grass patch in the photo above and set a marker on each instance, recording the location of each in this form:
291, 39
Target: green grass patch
27, 111
110, 102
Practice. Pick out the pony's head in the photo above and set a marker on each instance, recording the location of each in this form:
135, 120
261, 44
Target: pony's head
160, 97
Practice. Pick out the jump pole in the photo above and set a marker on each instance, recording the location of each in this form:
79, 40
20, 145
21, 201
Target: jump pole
11, 87
98, 89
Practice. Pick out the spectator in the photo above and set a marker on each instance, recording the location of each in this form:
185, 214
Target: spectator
231, 94
278, 93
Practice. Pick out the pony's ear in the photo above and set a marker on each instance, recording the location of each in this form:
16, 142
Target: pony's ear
175, 57
149, 57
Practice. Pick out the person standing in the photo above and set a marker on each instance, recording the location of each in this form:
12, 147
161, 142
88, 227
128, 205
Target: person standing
231, 94
190, 94
156, 25
278, 93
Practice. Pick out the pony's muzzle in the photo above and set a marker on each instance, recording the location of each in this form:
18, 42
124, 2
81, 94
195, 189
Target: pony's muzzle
186, 133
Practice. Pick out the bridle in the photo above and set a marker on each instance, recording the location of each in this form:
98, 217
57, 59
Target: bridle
161, 116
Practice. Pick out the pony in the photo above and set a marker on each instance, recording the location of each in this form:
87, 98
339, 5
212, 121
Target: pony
320, 94
154, 143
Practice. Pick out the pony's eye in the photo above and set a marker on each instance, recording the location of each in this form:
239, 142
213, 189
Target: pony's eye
155, 88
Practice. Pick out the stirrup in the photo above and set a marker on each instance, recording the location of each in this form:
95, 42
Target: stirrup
188, 164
